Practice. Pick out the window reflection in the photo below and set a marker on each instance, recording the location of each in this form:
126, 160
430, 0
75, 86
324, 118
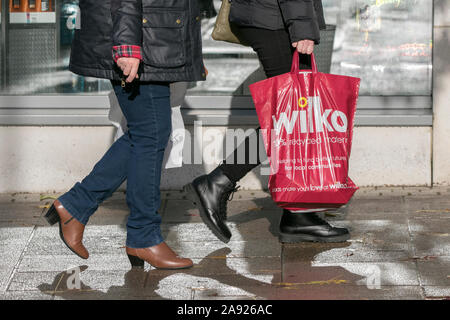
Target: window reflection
72, 83
231, 67
387, 43
39, 35
2, 48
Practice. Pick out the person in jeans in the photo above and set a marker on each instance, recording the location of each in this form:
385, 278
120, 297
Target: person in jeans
142, 47
274, 29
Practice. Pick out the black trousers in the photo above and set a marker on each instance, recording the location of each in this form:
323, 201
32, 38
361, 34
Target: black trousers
274, 50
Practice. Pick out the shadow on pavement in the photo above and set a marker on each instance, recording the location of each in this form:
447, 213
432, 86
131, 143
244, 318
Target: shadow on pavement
290, 268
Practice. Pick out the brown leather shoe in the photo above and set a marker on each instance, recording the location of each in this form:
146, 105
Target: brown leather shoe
159, 256
70, 229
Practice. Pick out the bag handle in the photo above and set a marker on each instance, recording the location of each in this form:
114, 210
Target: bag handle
296, 63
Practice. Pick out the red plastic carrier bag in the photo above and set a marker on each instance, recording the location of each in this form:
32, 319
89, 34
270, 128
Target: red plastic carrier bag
306, 122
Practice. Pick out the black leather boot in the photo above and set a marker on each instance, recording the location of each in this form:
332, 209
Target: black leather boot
210, 194
309, 227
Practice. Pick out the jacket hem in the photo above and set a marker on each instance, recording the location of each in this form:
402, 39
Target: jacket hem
146, 76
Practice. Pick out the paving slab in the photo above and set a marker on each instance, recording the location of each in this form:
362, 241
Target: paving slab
110, 294
181, 211
437, 292
341, 253
184, 211
20, 214
111, 212
26, 295
399, 249
434, 271
96, 284
214, 295
380, 205
220, 263
239, 249
239, 206
431, 245
383, 234
428, 205
97, 239
371, 274
13, 242
215, 266
254, 230
37, 263
427, 225
340, 292
42, 281
19, 197
220, 285
239, 195
430, 234
404, 191
50, 282
316, 263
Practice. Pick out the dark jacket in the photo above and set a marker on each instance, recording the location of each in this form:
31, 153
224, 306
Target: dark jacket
167, 30
302, 18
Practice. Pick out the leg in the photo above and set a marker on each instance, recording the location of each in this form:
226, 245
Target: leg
274, 51
73, 209
83, 199
148, 114
136, 156
211, 192
146, 107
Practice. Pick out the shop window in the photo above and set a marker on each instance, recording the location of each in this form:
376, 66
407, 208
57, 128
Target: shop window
387, 43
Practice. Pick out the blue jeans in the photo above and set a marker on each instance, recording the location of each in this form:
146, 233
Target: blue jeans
136, 157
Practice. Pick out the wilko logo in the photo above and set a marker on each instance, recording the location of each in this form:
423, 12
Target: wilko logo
302, 102
312, 119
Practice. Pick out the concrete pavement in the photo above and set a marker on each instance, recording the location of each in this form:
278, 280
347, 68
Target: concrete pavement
400, 249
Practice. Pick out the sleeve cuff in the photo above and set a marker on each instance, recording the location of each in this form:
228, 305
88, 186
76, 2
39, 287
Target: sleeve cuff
304, 30
127, 51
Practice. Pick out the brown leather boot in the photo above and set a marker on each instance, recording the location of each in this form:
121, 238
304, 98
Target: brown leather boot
159, 256
70, 229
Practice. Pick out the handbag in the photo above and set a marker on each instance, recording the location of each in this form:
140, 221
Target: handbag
223, 31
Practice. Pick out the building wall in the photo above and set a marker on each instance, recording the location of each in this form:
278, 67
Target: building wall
52, 159
441, 93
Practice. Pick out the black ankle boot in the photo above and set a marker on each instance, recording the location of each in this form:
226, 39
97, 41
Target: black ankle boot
210, 194
303, 227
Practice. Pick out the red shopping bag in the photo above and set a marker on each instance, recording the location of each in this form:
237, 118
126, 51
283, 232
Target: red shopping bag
307, 121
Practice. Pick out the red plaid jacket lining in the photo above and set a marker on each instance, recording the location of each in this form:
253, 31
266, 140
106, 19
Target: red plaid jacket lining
127, 51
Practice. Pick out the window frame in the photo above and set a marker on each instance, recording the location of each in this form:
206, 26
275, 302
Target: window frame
92, 109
